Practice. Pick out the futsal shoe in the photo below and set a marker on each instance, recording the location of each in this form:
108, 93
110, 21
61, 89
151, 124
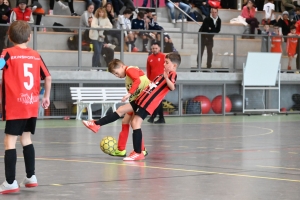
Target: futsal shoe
134, 157
160, 121
118, 153
91, 125
151, 120
7, 188
29, 182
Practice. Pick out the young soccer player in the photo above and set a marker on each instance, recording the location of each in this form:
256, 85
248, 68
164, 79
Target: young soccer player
22, 70
144, 105
276, 41
135, 81
291, 46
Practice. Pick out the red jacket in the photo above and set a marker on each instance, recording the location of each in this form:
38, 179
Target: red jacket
246, 13
155, 65
20, 15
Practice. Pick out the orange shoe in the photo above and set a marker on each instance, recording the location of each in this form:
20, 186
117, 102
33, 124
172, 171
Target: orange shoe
91, 125
134, 156
289, 68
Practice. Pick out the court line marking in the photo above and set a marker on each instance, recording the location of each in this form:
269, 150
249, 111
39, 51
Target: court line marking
172, 169
288, 168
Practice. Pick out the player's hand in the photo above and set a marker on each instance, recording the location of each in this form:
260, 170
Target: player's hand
166, 74
45, 103
4, 17
126, 97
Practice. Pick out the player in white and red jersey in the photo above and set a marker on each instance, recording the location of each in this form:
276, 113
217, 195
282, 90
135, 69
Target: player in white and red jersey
23, 69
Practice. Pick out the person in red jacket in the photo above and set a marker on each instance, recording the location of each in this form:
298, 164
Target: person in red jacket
249, 12
21, 13
155, 67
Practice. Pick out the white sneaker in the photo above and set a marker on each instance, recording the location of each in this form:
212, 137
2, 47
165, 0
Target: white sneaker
184, 20
173, 21
7, 188
29, 182
62, 5
179, 20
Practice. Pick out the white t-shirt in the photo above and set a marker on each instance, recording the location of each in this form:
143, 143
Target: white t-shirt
268, 7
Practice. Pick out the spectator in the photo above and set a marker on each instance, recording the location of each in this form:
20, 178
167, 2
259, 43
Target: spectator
291, 46
177, 3
276, 41
112, 16
7, 2
284, 23
63, 6
210, 24
87, 16
287, 5
117, 5
297, 15
139, 24
4, 13
125, 24
97, 4
100, 20
152, 3
155, 67
264, 40
269, 9
297, 25
249, 12
21, 13
203, 6
36, 9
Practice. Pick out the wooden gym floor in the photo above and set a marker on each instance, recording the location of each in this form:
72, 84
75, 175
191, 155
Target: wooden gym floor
190, 158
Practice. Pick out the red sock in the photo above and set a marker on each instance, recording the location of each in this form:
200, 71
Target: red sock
123, 136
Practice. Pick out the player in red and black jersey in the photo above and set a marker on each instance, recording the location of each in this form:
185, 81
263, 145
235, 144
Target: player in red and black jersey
144, 105
23, 68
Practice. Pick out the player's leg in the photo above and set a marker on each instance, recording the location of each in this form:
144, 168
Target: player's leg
123, 136
289, 62
29, 154
160, 112
137, 137
95, 125
13, 128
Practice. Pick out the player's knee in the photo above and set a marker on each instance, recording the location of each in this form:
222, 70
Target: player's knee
10, 141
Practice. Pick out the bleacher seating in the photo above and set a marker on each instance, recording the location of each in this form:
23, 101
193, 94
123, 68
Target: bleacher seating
54, 45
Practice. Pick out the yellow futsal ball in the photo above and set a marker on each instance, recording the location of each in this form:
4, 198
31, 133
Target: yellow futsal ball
108, 144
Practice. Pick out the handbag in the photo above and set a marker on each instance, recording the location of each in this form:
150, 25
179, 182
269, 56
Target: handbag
214, 3
192, 107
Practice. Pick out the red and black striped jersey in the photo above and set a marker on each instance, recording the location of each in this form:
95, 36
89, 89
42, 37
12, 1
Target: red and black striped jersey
152, 95
21, 82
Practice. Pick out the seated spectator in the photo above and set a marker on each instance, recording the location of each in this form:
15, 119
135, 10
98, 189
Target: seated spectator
177, 3
287, 5
249, 12
97, 4
125, 24
284, 23
195, 13
21, 13
152, 3
203, 6
269, 9
139, 24
112, 16
87, 16
100, 20
297, 15
63, 6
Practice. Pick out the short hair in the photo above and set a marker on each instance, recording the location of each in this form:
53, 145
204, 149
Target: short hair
292, 27
174, 58
89, 4
297, 8
214, 9
127, 11
102, 9
19, 32
148, 10
114, 64
141, 14
155, 43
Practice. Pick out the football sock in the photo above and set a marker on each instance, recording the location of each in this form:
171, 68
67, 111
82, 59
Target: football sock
123, 136
10, 160
108, 119
137, 140
29, 158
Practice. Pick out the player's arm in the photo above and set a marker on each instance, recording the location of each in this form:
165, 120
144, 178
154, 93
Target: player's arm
170, 79
47, 86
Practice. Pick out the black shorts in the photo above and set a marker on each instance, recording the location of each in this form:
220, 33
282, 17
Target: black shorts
138, 110
18, 126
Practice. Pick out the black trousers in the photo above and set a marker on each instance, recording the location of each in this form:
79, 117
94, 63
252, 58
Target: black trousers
253, 24
298, 57
3, 31
207, 42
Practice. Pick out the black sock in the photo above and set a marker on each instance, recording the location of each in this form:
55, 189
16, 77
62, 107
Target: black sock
108, 119
10, 161
137, 140
29, 159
